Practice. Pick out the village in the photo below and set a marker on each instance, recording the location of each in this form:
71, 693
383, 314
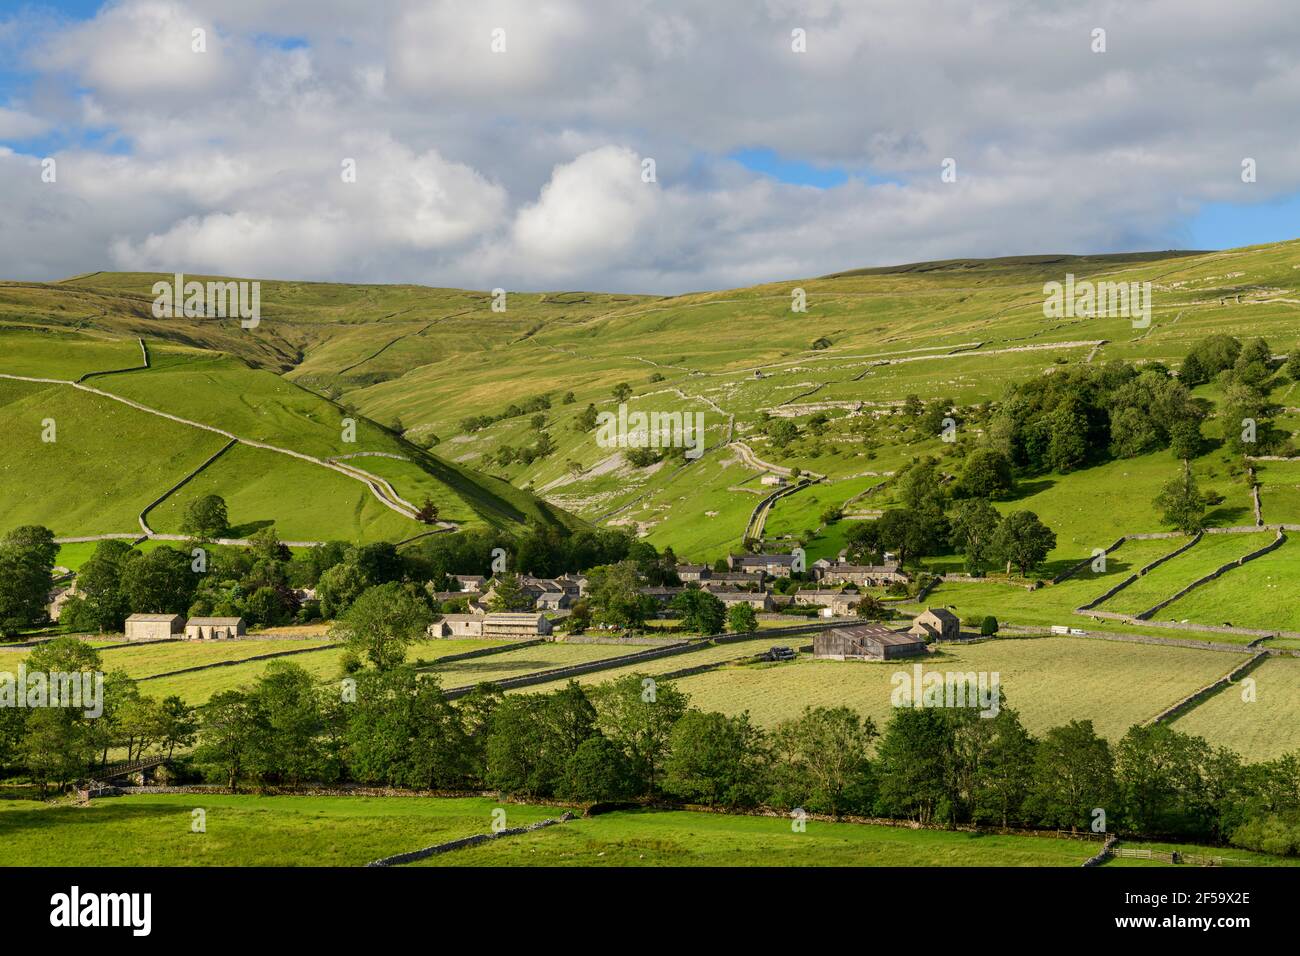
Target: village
762, 582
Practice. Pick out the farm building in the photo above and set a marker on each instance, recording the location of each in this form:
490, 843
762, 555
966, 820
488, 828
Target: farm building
470, 582
863, 575
837, 602
554, 601
662, 596
693, 572
58, 597
729, 580
773, 481
214, 628
457, 625
937, 624
154, 627
869, 642
777, 565
516, 625
758, 600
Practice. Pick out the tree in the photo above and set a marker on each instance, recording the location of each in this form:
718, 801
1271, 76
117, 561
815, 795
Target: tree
913, 757
508, 594
715, 759
987, 474
622, 392
1073, 774
614, 593
179, 726
598, 771
974, 528
26, 576
1002, 785
741, 618
988, 626
820, 760
1291, 367
205, 518
637, 713
1024, 541
428, 512
699, 611
338, 587
782, 431
100, 583
160, 582
1181, 503
871, 608
1185, 438
229, 735
383, 622
586, 419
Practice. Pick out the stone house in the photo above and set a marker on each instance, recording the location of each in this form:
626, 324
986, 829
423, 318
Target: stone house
693, 572
863, 575
555, 601
936, 624
758, 600
775, 565
516, 625
457, 625
154, 627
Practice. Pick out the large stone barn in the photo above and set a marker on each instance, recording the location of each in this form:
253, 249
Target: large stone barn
214, 628
154, 627
516, 625
866, 642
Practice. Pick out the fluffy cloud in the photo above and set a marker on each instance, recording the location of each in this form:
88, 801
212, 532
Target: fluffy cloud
523, 168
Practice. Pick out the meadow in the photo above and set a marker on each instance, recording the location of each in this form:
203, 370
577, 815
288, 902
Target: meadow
686, 838
1212, 551
1262, 729
243, 830
1048, 681
1261, 594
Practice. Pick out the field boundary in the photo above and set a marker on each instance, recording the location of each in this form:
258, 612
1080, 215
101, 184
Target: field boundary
242, 660
1273, 545
144, 355
144, 524
428, 851
1190, 702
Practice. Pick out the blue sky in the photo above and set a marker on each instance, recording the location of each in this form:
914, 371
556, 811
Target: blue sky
525, 170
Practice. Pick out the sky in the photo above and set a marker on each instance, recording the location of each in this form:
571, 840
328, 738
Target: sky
656, 146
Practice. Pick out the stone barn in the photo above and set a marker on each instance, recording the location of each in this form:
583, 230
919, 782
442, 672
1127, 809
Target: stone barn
936, 624
866, 642
457, 625
214, 628
516, 625
154, 627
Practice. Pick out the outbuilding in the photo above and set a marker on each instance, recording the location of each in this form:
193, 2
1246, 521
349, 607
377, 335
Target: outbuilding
866, 642
214, 628
154, 627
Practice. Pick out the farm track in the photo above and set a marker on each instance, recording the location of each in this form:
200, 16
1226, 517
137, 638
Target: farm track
378, 486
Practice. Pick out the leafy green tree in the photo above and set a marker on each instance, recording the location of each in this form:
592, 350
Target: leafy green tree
1023, 541
26, 576
1073, 774
1181, 503
1291, 367
987, 474
820, 761
622, 392
205, 518
701, 612
597, 772
160, 582
988, 626
586, 419
508, 594
229, 736
913, 757
716, 759
383, 622
1002, 784
179, 724
614, 593
339, 586
637, 713
974, 529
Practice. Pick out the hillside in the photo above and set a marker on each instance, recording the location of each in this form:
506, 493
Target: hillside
416, 363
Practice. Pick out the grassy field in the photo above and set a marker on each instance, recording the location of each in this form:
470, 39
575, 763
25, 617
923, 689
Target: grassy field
145, 660
1279, 491
1262, 594
684, 838
525, 660
242, 830
324, 665
1261, 729
1049, 681
1212, 551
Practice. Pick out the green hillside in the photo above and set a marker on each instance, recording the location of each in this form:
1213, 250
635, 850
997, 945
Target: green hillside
411, 365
